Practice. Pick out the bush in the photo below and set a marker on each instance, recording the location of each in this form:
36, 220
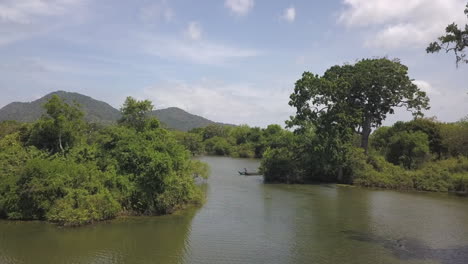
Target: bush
438, 176
79, 207
73, 179
278, 165
375, 171
244, 151
155, 162
409, 149
218, 146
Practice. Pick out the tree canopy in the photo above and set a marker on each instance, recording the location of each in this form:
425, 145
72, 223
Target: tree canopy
355, 98
135, 113
60, 128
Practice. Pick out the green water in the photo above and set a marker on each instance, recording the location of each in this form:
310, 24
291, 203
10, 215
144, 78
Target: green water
246, 221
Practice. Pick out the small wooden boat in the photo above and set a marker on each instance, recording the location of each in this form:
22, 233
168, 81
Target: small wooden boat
246, 173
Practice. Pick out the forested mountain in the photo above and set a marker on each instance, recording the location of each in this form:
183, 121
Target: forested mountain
179, 119
95, 111
99, 112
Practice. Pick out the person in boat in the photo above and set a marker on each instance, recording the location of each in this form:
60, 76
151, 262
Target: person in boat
245, 171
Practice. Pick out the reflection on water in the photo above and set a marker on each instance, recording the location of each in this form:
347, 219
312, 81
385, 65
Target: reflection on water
410, 248
132, 240
246, 221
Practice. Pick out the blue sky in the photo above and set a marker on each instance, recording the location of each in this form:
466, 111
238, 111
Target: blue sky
232, 61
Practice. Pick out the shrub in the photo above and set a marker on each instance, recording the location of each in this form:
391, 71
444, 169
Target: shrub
409, 149
278, 165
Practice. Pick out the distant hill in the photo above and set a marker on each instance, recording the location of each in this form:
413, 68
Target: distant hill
95, 111
179, 119
100, 112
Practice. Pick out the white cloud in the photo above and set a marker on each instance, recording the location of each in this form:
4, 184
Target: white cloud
289, 14
447, 104
237, 103
402, 23
194, 30
156, 11
24, 11
22, 19
426, 87
201, 51
239, 7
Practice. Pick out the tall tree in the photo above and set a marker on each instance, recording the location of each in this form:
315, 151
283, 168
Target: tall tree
60, 128
135, 113
456, 41
355, 97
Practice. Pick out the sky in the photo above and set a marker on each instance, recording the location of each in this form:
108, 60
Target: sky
232, 61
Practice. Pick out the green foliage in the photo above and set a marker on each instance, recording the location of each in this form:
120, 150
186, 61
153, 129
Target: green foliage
200, 169
409, 144
79, 207
375, 171
455, 40
59, 129
438, 176
278, 165
218, 146
244, 151
409, 149
300, 158
445, 139
239, 141
135, 113
455, 138
136, 167
46, 187
214, 130
192, 141
9, 127
354, 98
154, 161
347, 101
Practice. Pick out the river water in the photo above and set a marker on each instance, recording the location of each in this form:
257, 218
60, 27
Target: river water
246, 221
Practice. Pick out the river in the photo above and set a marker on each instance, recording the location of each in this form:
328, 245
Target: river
246, 221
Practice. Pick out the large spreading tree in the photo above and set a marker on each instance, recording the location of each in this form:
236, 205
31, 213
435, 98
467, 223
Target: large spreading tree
354, 98
455, 40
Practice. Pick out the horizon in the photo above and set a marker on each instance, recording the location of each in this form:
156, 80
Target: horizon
232, 61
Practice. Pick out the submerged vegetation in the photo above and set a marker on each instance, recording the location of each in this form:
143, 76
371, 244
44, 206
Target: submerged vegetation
67, 171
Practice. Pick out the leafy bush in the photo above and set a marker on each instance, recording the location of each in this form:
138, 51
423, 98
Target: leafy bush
54, 173
438, 176
278, 166
218, 146
409, 149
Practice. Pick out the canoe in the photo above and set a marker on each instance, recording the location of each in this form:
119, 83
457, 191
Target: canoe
249, 173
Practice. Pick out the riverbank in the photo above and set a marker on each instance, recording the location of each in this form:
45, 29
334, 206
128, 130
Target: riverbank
247, 221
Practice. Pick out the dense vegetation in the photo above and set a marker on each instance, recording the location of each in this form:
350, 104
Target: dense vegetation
332, 141
67, 171
100, 112
239, 141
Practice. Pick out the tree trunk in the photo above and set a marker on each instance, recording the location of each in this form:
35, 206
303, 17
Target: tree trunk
340, 174
60, 142
366, 130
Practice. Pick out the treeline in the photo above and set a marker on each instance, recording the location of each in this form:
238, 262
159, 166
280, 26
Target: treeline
422, 154
332, 142
67, 171
235, 141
